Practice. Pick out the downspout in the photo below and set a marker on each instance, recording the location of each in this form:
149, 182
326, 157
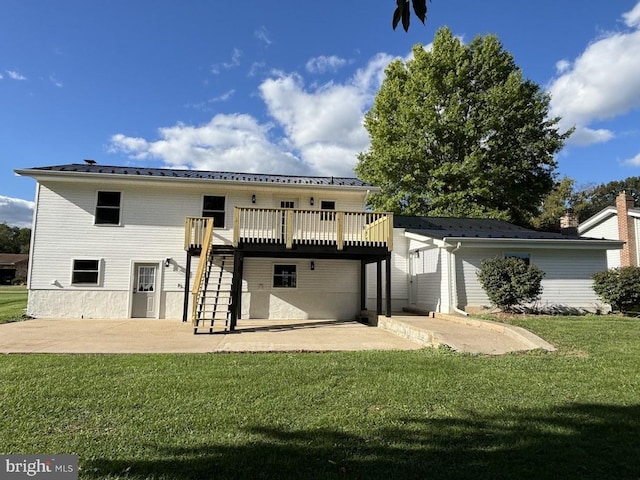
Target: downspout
454, 281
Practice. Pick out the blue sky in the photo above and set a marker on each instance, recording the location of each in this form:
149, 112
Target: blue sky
281, 86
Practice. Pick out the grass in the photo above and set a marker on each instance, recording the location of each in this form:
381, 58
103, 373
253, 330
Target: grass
435, 414
13, 302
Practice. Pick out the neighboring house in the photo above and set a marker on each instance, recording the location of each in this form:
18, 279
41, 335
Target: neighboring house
435, 260
118, 242
13, 267
619, 222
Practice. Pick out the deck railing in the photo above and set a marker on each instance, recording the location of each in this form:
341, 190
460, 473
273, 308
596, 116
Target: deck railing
312, 227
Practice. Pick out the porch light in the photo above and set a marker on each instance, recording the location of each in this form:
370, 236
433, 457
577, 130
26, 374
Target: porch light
312, 265
253, 198
167, 261
311, 201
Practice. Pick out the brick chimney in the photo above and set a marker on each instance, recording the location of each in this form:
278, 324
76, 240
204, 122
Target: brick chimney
626, 230
569, 224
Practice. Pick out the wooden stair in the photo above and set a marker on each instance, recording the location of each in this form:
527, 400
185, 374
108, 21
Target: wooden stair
213, 302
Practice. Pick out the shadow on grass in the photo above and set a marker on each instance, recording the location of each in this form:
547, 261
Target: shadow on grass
581, 441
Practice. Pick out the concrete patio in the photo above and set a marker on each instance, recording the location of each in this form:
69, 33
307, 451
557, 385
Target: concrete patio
403, 332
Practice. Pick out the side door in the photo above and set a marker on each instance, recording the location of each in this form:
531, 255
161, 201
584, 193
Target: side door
145, 292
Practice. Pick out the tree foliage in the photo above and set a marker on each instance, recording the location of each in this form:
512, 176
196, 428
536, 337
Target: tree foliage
561, 199
593, 199
510, 282
14, 239
619, 287
584, 201
457, 131
403, 12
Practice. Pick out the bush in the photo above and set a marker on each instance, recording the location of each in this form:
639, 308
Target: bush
510, 282
619, 287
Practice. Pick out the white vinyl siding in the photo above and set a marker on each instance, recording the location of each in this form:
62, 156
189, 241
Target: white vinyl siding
567, 281
428, 274
608, 229
152, 229
330, 291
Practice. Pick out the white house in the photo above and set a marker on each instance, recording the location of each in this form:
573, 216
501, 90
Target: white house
118, 242
619, 222
435, 260
218, 247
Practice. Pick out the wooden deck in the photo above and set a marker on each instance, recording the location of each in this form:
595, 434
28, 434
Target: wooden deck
295, 227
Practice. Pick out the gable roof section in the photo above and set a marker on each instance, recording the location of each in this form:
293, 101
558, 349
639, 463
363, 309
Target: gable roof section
603, 215
77, 170
484, 231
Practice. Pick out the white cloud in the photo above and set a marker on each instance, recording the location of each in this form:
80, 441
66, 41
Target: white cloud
324, 64
262, 34
16, 212
55, 81
633, 162
602, 83
322, 130
14, 75
227, 143
562, 66
632, 17
1, 77
235, 59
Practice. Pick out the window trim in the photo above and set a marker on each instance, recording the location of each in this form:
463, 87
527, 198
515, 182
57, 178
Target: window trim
96, 206
98, 272
295, 276
223, 211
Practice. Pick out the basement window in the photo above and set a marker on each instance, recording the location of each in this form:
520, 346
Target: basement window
213, 207
85, 272
108, 208
284, 276
525, 257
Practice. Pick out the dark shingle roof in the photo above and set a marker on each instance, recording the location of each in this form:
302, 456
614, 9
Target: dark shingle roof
203, 175
444, 227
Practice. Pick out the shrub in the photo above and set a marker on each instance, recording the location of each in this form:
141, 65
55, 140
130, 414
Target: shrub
510, 282
619, 287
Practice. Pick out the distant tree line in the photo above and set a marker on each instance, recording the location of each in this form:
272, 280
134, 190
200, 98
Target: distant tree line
14, 239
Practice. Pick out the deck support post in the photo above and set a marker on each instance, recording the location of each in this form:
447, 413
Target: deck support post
388, 284
378, 287
236, 290
187, 290
363, 285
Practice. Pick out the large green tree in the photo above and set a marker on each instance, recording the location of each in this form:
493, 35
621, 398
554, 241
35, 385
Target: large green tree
458, 131
14, 239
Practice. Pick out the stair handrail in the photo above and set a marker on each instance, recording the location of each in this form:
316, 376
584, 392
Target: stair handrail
204, 256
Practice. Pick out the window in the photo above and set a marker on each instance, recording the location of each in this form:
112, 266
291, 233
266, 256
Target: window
213, 206
85, 272
108, 208
327, 205
284, 276
525, 257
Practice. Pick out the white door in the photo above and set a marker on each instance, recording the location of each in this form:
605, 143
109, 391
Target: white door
414, 259
289, 204
145, 293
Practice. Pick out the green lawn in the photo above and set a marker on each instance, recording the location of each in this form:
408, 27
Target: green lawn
13, 302
429, 414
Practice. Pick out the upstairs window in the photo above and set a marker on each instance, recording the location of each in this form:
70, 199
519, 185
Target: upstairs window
213, 207
327, 205
284, 276
108, 208
85, 272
